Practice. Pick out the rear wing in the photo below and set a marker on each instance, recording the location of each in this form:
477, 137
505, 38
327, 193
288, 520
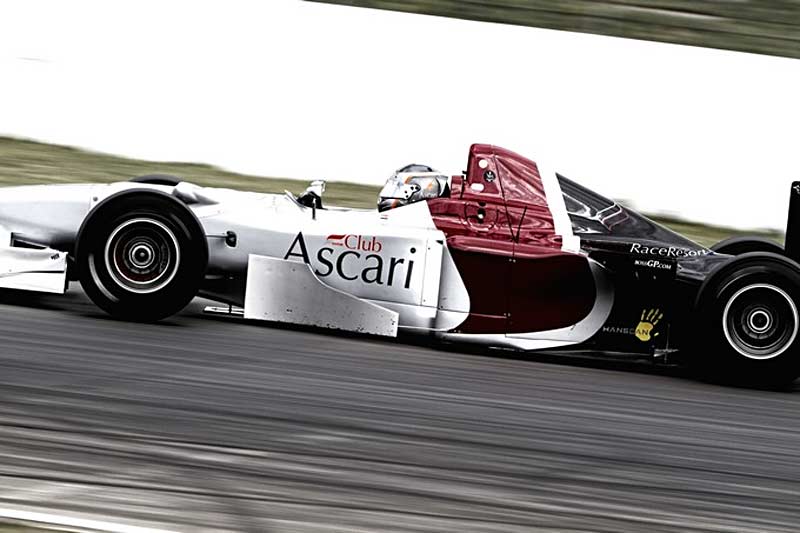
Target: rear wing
792, 244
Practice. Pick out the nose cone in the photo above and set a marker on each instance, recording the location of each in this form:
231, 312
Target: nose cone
45, 214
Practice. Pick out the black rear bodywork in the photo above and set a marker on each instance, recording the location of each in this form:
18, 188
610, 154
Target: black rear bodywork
656, 273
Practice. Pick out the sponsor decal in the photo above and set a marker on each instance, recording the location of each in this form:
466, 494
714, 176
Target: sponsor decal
356, 242
645, 331
667, 251
355, 258
654, 264
618, 330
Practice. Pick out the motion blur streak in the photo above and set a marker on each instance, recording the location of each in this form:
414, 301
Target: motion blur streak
758, 26
209, 425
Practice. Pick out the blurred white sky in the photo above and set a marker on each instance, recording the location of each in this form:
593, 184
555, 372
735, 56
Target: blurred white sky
296, 89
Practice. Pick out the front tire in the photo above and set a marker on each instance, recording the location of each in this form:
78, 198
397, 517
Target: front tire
141, 255
749, 321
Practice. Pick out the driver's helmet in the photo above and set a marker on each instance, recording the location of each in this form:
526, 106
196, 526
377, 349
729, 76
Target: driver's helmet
410, 184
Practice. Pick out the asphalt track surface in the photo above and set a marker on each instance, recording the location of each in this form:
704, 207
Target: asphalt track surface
203, 424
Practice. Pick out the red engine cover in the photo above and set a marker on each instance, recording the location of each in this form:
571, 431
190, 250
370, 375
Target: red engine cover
502, 237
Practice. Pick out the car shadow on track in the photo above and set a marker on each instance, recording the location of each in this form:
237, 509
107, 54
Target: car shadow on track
584, 359
33, 300
76, 302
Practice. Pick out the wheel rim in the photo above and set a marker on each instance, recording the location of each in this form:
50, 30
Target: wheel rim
142, 255
760, 321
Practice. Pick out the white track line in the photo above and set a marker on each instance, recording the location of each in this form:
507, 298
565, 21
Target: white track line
74, 524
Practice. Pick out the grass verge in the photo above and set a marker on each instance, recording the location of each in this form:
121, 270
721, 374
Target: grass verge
26, 162
757, 26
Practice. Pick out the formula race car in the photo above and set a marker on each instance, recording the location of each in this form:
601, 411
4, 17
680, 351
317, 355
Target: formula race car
508, 254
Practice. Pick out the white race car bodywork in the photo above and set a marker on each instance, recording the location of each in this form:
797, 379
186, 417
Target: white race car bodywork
42, 270
369, 271
395, 262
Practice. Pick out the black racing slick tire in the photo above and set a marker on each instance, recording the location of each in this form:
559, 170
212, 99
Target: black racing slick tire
141, 255
746, 244
157, 179
748, 324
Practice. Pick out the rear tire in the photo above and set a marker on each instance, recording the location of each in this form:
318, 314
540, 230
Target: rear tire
744, 245
748, 322
141, 255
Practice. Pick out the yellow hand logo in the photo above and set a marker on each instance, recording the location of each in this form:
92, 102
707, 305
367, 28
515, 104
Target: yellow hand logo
644, 331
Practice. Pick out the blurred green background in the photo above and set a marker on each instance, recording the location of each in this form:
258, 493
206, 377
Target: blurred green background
760, 26
26, 162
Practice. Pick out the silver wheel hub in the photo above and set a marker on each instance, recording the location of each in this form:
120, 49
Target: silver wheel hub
760, 321
142, 255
